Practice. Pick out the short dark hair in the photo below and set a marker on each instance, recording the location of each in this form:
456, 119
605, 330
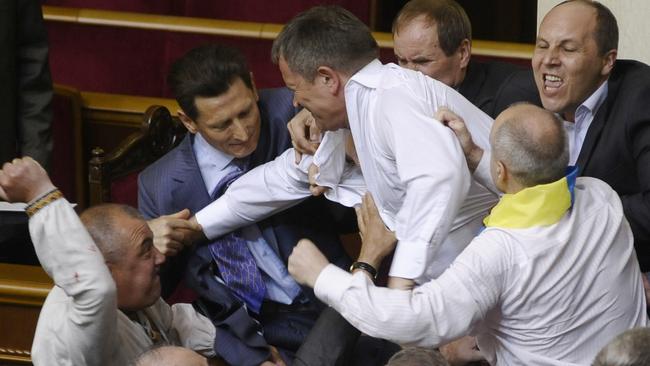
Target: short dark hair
325, 36
417, 356
452, 22
606, 33
206, 71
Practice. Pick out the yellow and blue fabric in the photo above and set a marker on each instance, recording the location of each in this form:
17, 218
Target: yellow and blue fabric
541, 205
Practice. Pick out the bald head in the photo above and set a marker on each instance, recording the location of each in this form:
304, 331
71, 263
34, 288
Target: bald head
630, 348
171, 356
104, 223
531, 143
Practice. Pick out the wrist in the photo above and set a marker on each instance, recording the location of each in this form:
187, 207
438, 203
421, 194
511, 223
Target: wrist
365, 267
474, 158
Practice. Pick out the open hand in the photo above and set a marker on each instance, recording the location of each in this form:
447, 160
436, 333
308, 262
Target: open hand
377, 240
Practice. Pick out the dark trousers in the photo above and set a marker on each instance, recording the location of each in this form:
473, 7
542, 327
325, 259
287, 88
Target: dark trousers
335, 342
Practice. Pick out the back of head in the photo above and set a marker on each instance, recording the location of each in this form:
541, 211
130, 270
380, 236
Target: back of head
206, 71
417, 356
606, 32
325, 36
170, 356
452, 22
630, 348
532, 143
102, 222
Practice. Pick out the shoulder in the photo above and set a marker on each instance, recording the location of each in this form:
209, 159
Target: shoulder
629, 77
160, 168
595, 194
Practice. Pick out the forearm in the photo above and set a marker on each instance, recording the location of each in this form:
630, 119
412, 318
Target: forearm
260, 193
427, 316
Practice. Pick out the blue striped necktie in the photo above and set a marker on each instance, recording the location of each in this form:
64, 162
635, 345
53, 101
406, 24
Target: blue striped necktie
233, 258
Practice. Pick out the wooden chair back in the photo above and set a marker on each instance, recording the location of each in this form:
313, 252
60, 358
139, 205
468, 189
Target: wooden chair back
112, 177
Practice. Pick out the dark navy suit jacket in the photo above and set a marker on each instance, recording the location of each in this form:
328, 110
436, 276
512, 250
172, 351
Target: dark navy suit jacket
174, 182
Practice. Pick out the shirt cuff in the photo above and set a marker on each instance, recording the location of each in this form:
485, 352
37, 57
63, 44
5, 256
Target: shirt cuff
217, 219
410, 259
331, 283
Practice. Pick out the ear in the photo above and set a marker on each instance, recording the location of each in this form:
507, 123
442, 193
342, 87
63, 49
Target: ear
608, 62
330, 79
187, 121
465, 52
254, 88
501, 179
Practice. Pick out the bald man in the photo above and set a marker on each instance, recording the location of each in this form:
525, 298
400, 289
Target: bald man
105, 307
520, 284
171, 356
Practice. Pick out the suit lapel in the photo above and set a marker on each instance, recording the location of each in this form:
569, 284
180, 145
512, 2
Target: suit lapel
597, 125
188, 188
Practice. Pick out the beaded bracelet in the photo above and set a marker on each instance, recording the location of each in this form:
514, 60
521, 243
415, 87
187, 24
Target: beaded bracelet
43, 201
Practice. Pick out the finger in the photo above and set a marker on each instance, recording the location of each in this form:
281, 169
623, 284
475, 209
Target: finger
441, 113
182, 214
297, 154
314, 131
3, 195
360, 222
317, 190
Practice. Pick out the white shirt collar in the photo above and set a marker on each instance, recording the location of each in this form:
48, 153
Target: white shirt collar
369, 75
594, 101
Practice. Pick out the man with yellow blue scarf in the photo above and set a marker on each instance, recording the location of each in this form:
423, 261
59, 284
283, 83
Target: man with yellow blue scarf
549, 281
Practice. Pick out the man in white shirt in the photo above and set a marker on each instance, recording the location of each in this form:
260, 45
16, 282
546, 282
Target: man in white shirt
412, 165
105, 307
549, 281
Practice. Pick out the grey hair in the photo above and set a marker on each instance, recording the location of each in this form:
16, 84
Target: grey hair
325, 36
102, 225
532, 160
630, 348
417, 356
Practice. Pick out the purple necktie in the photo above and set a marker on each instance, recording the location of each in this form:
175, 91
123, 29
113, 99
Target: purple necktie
235, 261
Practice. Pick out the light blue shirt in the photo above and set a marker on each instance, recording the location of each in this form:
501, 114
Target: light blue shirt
577, 131
280, 286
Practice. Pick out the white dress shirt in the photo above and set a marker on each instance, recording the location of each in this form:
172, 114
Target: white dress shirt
214, 165
412, 164
551, 295
577, 131
80, 323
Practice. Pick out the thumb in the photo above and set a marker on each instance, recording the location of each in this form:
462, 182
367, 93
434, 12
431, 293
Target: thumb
182, 214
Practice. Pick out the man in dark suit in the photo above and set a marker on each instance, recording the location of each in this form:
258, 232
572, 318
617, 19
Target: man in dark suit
25, 83
603, 101
435, 38
233, 129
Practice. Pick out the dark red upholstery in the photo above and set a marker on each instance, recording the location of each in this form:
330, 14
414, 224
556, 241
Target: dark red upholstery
246, 10
124, 190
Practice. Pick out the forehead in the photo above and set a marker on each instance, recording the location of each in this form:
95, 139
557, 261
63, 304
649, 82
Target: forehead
237, 97
293, 80
573, 20
417, 30
134, 230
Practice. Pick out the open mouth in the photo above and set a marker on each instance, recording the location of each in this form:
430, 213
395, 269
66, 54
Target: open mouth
552, 81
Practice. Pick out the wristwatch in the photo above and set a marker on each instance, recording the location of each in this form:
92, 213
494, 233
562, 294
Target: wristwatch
364, 267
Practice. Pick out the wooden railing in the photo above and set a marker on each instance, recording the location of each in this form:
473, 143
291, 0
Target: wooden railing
237, 28
23, 290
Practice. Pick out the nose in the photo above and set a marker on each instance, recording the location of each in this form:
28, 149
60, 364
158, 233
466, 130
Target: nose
159, 258
240, 132
550, 56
